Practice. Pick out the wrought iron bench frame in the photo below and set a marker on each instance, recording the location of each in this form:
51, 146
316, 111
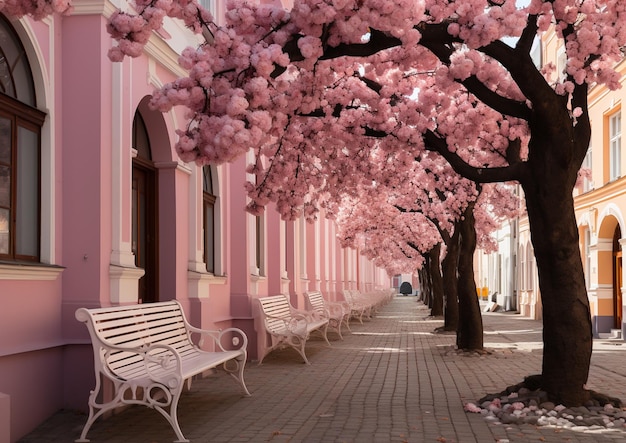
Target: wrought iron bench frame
288, 326
147, 353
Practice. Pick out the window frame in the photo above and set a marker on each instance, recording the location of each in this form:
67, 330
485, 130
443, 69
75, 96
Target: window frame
615, 145
209, 199
24, 116
588, 163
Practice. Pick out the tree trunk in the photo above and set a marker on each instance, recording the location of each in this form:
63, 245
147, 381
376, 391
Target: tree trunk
424, 282
469, 334
436, 308
449, 269
428, 294
567, 331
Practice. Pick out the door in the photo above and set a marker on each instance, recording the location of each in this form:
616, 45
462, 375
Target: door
145, 218
617, 280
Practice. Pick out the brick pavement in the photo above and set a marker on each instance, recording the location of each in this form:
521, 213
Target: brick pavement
390, 380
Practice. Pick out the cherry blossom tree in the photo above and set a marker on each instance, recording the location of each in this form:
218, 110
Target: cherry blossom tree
314, 89
397, 226
410, 76
36, 9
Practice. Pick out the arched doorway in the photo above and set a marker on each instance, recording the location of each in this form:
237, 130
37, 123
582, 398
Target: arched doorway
606, 292
144, 213
617, 279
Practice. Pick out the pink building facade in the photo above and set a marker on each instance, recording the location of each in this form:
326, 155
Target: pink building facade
96, 209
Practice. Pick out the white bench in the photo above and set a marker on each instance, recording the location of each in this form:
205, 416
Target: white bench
359, 308
288, 326
338, 313
364, 305
147, 353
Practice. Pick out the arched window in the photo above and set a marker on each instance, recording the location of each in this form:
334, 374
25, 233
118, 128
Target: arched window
208, 205
20, 138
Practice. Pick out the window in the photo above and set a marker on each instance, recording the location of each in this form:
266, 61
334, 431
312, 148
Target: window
259, 245
587, 164
530, 268
258, 267
561, 64
587, 257
209, 5
20, 135
208, 204
523, 269
615, 145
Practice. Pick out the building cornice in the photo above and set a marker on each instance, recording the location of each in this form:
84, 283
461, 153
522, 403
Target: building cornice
605, 193
93, 7
157, 46
29, 272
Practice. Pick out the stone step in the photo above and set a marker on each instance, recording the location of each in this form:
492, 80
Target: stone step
616, 334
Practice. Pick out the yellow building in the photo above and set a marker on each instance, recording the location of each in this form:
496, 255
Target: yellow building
600, 205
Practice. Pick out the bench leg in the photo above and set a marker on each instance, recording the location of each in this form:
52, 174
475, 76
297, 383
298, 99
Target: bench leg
325, 333
337, 326
358, 314
237, 372
97, 409
280, 341
346, 320
295, 342
298, 344
172, 418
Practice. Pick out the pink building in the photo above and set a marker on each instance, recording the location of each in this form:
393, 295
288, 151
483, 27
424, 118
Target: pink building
97, 210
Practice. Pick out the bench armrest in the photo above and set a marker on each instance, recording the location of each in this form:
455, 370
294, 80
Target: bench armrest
228, 339
161, 362
310, 316
337, 309
296, 324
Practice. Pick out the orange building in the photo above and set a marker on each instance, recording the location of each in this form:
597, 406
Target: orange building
600, 206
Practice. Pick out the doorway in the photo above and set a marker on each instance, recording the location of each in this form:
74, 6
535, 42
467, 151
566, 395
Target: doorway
144, 213
617, 279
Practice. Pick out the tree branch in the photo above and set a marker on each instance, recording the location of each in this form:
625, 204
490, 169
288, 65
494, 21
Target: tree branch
526, 40
377, 42
437, 41
518, 62
461, 167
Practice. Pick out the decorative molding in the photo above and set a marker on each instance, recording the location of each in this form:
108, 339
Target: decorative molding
29, 272
124, 283
604, 292
163, 53
208, 277
183, 167
200, 284
93, 7
123, 258
603, 244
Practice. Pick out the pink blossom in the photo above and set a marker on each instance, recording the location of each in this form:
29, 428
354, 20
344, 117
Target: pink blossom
471, 407
310, 47
269, 84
